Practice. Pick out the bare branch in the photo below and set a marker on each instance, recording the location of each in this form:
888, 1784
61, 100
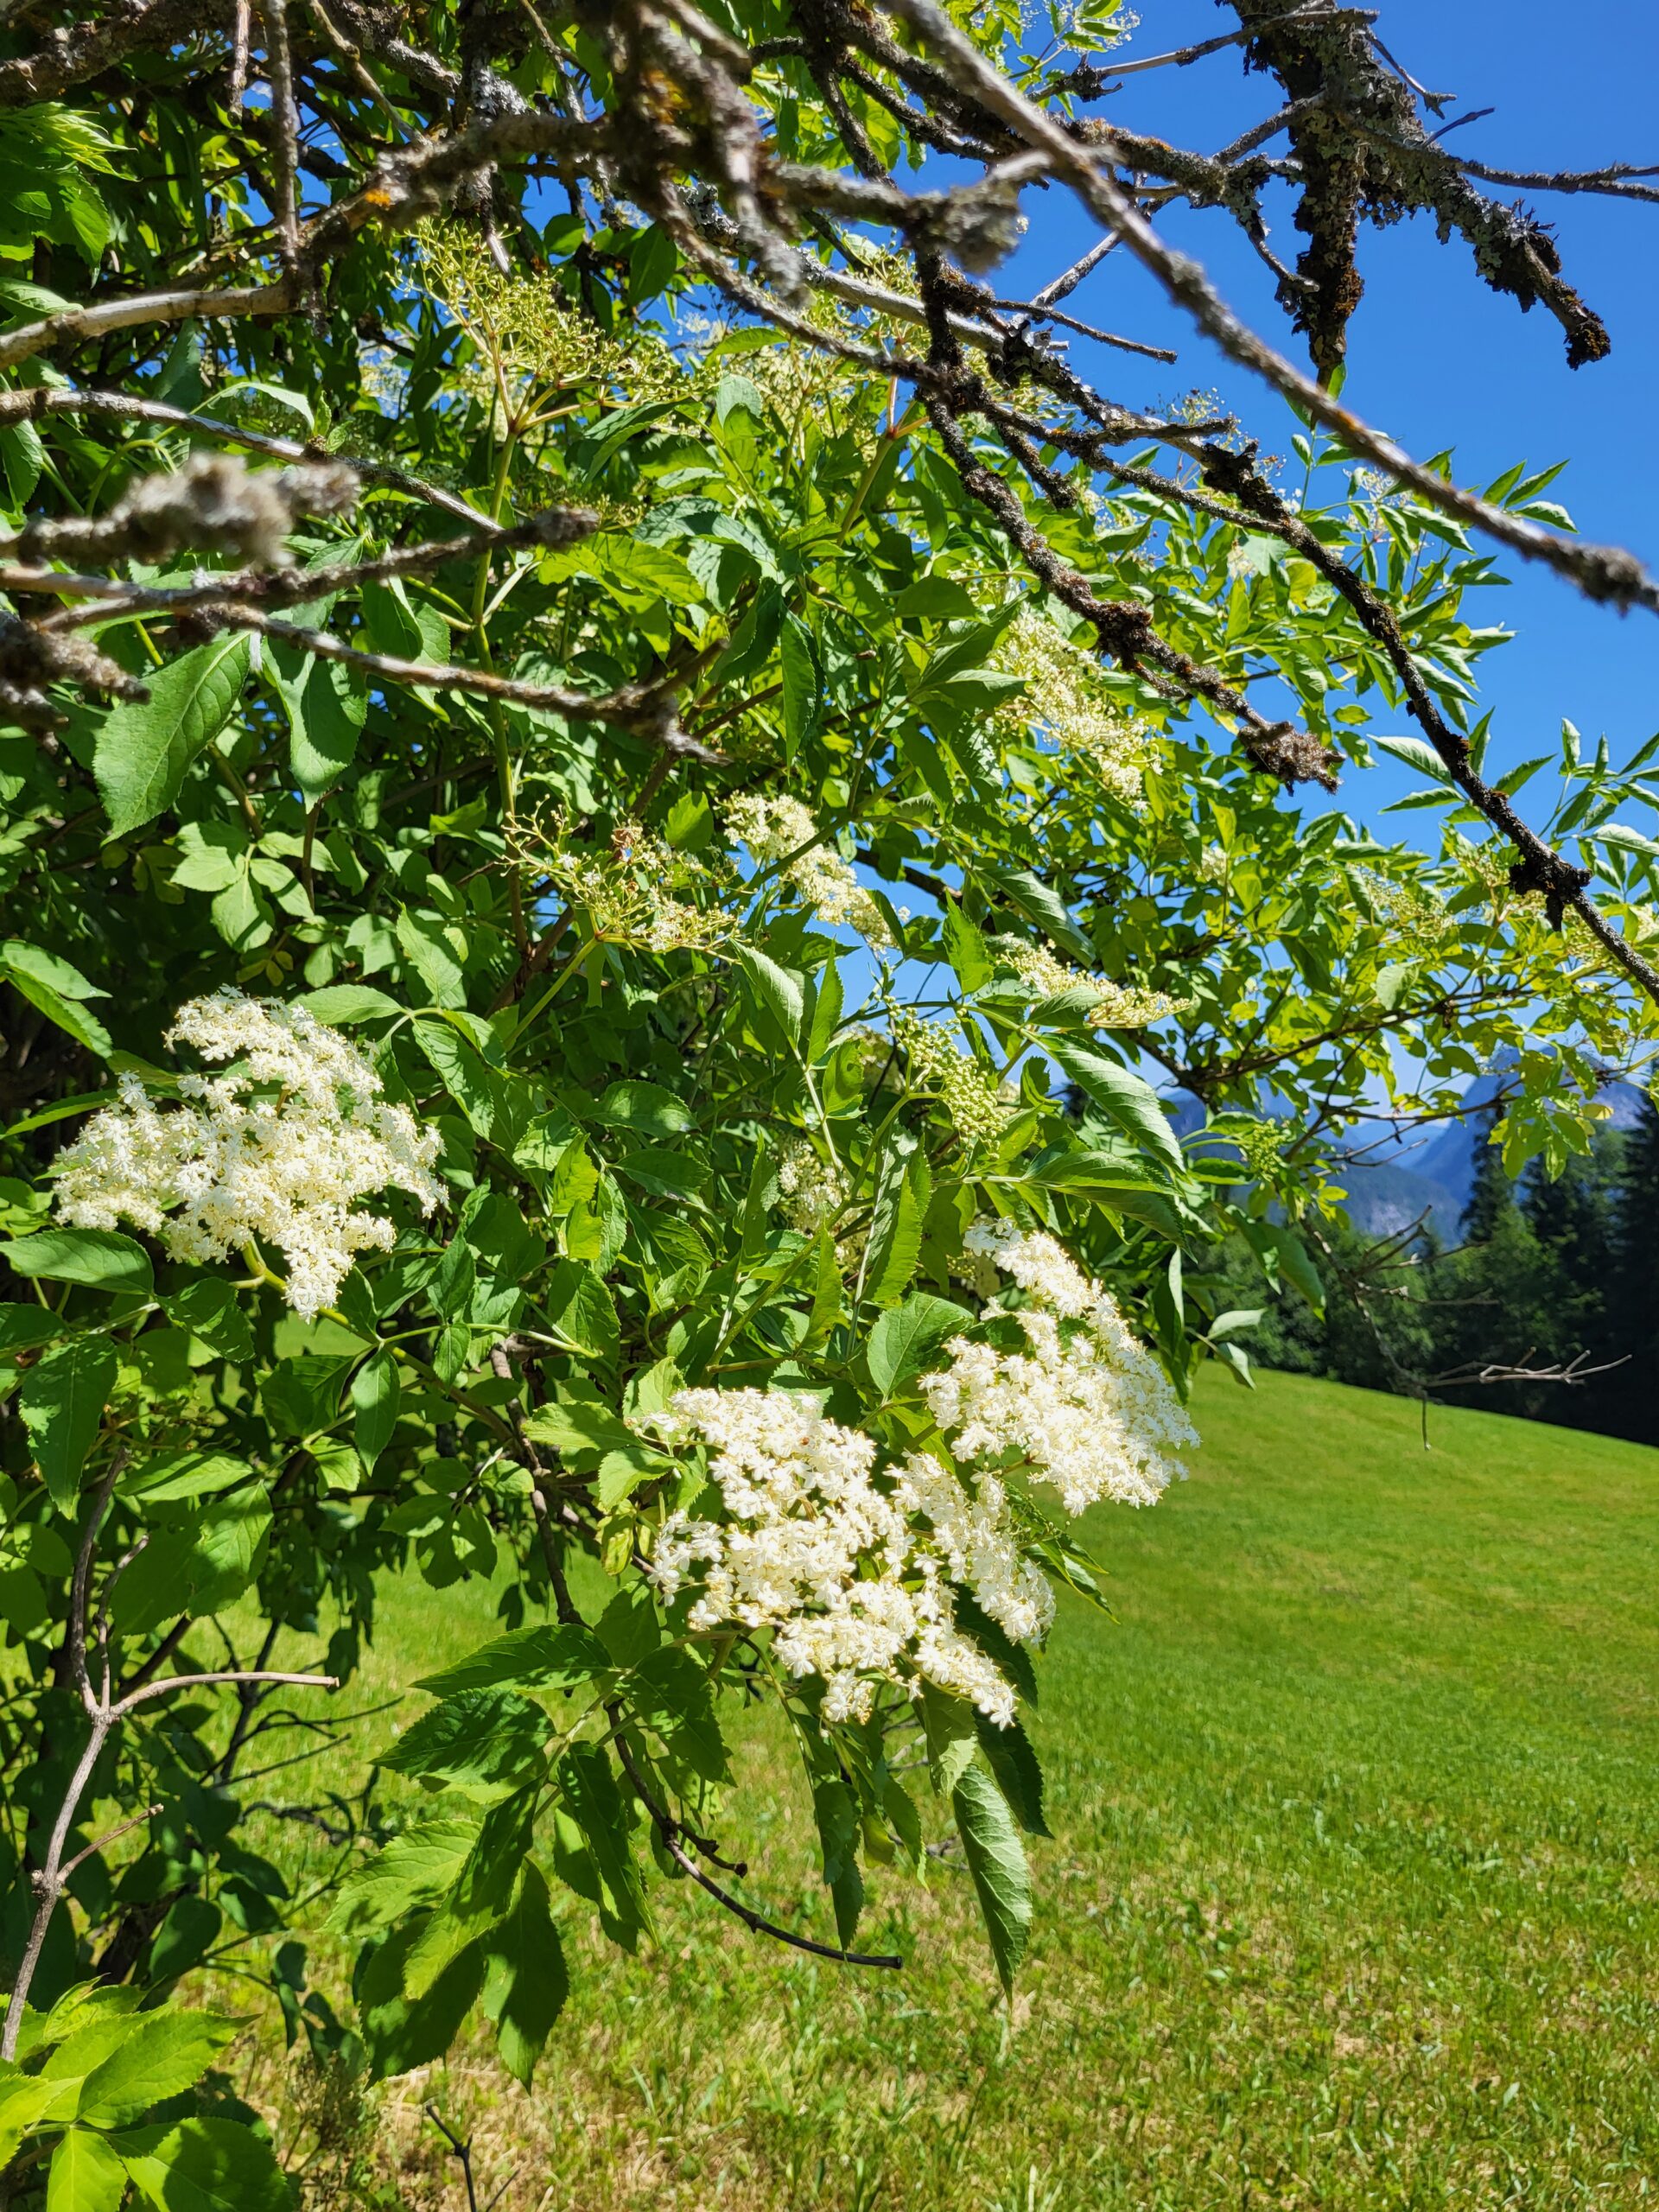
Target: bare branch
1602, 572
36, 402
670, 1830
97, 319
171, 1682
1182, 57
285, 124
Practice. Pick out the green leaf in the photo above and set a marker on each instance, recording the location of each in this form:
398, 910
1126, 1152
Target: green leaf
432, 956
101, 1258
86, 2175
645, 1108
622, 1472
209, 1310
62, 1402
479, 1741
779, 990
582, 1310
327, 707
1008, 1754
595, 1804
209, 2165
836, 1814
28, 2101
194, 1566
669, 1694
524, 1980
57, 990
301, 1398
159, 2055
1044, 906
996, 1859
143, 748
828, 1003
904, 1339
553, 1656
578, 1425
1392, 982
896, 1226
342, 1005
167, 1478
481, 1894
415, 1868
1415, 754
375, 1393
798, 664
951, 1737
461, 1069
965, 948
191, 1929
1298, 1266
401, 2033
1127, 1098
22, 457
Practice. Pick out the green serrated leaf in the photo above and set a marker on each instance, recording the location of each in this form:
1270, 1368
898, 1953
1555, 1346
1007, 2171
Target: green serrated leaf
144, 747
996, 1859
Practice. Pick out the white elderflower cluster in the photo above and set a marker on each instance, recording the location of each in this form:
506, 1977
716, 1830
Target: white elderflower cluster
1212, 865
814, 1189
278, 1150
978, 1107
776, 828
1067, 701
1084, 1407
814, 1550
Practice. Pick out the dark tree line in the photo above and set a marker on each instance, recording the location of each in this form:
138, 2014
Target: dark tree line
1545, 1276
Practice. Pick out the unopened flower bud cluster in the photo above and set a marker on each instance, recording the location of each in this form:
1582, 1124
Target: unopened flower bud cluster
1115, 1006
629, 891
278, 1151
1067, 702
814, 1190
978, 1107
783, 829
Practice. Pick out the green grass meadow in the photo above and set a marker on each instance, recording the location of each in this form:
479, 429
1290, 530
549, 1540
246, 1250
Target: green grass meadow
1353, 1899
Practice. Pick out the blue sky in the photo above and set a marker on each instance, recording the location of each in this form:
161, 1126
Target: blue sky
1434, 357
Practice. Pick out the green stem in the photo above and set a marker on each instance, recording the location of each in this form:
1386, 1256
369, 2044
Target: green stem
498, 718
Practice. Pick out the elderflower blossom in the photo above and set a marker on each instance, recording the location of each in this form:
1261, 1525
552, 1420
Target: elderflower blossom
528, 340
1212, 865
778, 830
1124, 1006
1112, 1006
1038, 967
811, 1549
628, 892
1067, 701
1084, 1407
814, 1189
978, 1107
277, 1149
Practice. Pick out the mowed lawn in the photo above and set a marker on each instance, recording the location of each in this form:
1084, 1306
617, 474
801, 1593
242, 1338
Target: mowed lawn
1353, 1898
